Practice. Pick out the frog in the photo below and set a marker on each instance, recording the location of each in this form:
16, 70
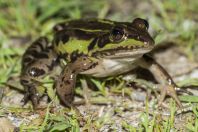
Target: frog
91, 47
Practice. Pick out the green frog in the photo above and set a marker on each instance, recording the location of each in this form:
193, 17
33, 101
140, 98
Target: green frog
92, 47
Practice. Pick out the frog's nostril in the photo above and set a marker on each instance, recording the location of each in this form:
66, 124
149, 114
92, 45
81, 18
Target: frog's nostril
151, 43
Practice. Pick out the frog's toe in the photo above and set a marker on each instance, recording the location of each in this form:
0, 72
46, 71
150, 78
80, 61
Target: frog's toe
25, 98
35, 100
169, 90
33, 97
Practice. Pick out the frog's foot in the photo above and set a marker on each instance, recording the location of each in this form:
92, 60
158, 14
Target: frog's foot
169, 90
32, 95
31, 92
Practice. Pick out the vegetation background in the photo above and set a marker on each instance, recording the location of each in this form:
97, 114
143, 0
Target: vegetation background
173, 23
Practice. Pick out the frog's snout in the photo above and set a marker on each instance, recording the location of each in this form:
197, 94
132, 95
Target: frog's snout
149, 42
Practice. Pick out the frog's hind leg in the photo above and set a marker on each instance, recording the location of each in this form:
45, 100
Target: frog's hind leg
37, 62
166, 83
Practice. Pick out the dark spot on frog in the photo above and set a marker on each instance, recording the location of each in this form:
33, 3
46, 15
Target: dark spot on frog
73, 71
63, 78
27, 59
103, 41
37, 54
50, 67
67, 82
92, 44
24, 81
93, 65
54, 63
82, 35
147, 58
74, 55
65, 55
41, 55
32, 52
35, 72
61, 36
41, 45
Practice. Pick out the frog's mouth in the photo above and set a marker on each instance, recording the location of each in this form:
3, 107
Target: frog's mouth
123, 52
129, 54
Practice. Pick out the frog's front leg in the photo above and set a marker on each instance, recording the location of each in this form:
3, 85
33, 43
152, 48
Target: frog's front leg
167, 85
66, 82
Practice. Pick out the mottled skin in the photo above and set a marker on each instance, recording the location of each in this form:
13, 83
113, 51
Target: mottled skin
93, 47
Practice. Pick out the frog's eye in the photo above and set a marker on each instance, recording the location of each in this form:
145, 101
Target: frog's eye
141, 23
117, 34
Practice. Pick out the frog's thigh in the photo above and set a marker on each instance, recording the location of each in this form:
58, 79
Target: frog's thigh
32, 78
37, 64
66, 82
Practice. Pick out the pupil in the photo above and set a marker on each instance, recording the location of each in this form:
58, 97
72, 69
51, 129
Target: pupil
116, 32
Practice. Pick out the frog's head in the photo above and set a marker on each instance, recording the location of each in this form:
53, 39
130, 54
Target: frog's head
125, 40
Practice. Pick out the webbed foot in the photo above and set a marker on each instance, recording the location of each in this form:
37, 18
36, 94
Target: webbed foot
32, 95
170, 91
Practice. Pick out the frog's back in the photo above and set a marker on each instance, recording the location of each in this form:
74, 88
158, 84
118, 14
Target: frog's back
86, 24
76, 36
